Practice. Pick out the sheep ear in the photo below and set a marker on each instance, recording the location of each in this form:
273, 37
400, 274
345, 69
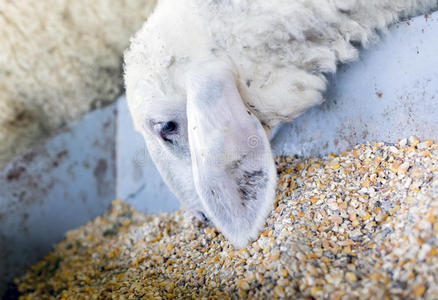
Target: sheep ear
233, 168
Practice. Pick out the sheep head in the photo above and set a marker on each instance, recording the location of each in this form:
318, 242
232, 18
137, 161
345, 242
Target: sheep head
210, 149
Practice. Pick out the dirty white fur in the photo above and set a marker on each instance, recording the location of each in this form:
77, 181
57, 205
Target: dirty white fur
58, 60
276, 54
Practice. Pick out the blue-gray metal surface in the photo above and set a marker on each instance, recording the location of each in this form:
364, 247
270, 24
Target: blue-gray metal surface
59, 185
389, 94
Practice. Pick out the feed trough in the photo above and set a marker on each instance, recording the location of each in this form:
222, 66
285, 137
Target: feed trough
388, 95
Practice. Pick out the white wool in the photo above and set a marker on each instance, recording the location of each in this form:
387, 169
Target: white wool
280, 50
59, 59
207, 67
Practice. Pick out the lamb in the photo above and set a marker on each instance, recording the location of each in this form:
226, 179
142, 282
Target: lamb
206, 82
58, 60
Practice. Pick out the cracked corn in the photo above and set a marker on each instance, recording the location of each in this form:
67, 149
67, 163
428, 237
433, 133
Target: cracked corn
360, 225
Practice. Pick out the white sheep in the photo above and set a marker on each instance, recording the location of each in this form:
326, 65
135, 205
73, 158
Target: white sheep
58, 60
205, 77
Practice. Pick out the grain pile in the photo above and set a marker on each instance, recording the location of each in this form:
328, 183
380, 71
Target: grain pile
360, 225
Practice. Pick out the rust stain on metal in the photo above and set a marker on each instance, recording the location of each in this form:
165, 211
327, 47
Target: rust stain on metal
100, 169
107, 124
99, 173
62, 154
59, 157
15, 173
28, 157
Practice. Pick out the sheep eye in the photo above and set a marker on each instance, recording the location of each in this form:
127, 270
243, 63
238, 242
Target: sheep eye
166, 129
169, 127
